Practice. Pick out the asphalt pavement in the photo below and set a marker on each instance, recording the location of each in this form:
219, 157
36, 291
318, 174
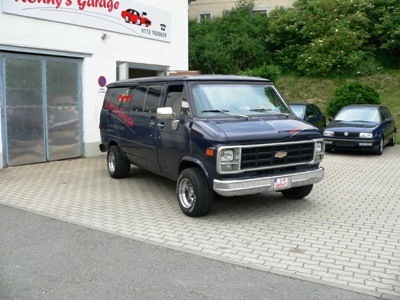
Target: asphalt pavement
94, 236
45, 258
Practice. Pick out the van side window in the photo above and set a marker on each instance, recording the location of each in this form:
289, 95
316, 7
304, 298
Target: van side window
177, 99
152, 99
139, 95
118, 99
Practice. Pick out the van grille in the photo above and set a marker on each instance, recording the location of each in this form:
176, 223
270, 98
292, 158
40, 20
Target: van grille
268, 156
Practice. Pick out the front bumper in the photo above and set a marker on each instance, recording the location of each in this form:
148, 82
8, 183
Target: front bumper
258, 185
360, 144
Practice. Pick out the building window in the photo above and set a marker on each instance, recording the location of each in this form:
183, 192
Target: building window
204, 16
260, 10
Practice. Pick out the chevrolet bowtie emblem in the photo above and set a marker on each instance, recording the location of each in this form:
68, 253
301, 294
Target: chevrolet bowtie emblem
280, 154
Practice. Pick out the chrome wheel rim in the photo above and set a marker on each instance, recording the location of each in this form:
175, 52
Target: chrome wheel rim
186, 193
111, 162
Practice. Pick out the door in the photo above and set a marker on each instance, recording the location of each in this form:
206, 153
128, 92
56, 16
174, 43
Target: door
25, 136
62, 95
141, 147
40, 109
174, 135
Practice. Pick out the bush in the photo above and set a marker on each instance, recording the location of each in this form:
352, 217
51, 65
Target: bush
352, 93
270, 72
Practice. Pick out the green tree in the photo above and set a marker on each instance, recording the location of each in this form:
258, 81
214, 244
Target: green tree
352, 93
314, 38
329, 36
384, 19
229, 43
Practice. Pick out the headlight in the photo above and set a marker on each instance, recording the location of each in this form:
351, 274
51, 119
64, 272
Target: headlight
228, 160
366, 135
328, 133
319, 146
226, 155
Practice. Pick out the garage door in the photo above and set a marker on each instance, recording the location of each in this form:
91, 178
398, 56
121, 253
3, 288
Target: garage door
41, 109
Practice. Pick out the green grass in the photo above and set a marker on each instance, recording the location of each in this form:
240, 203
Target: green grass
321, 90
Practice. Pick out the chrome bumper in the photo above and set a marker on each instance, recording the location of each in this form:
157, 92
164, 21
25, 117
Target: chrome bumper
258, 185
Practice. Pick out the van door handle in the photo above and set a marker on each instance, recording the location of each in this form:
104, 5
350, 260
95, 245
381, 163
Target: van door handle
152, 123
160, 125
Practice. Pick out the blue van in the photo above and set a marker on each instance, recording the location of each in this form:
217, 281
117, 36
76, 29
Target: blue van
212, 134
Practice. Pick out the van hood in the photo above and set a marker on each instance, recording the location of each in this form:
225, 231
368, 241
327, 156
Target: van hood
257, 130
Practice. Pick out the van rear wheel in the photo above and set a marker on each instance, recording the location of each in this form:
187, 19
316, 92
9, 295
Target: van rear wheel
116, 165
298, 192
195, 197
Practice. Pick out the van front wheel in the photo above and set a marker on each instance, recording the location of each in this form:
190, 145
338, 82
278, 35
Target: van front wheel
195, 197
116, 165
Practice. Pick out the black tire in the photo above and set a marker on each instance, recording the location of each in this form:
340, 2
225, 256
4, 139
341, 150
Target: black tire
379, 151
298, 192
117, 166
393, 140
195, 197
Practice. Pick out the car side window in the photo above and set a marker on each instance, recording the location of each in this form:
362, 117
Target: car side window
139, 95
385, 113
152, 101
317, 111
309, 111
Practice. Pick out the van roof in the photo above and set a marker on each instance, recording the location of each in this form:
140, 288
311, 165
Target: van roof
136, 81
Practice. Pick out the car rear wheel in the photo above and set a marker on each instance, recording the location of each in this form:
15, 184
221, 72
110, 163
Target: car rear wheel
116, 165
195, 197
298, 192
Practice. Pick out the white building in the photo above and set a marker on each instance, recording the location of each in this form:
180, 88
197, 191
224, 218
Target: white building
207, 9
56, 57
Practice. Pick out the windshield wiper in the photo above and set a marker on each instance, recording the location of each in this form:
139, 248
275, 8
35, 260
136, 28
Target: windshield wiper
226, 112
260, 109
215, 111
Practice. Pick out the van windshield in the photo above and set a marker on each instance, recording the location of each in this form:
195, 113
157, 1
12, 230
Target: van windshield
236, 99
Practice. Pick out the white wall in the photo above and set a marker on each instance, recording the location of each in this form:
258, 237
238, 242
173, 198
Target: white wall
101, 55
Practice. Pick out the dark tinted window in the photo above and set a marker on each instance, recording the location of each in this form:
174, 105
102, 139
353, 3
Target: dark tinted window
317, 110
118, 99
385, 113
152, 99
309, 111
139, 95
177, 99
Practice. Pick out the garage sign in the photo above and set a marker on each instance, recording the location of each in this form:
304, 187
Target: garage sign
122, 16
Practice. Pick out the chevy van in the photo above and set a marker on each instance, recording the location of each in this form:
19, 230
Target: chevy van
212, 134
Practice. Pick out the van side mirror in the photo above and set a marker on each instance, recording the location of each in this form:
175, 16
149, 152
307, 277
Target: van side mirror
165, 113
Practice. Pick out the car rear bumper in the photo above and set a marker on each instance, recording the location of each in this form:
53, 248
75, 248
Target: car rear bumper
258, 185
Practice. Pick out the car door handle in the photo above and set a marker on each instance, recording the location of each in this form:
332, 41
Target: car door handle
160, 125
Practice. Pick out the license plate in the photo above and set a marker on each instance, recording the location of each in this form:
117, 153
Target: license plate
280, 183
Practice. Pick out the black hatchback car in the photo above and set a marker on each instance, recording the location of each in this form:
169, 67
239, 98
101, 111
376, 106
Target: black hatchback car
361, 127
309, 112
